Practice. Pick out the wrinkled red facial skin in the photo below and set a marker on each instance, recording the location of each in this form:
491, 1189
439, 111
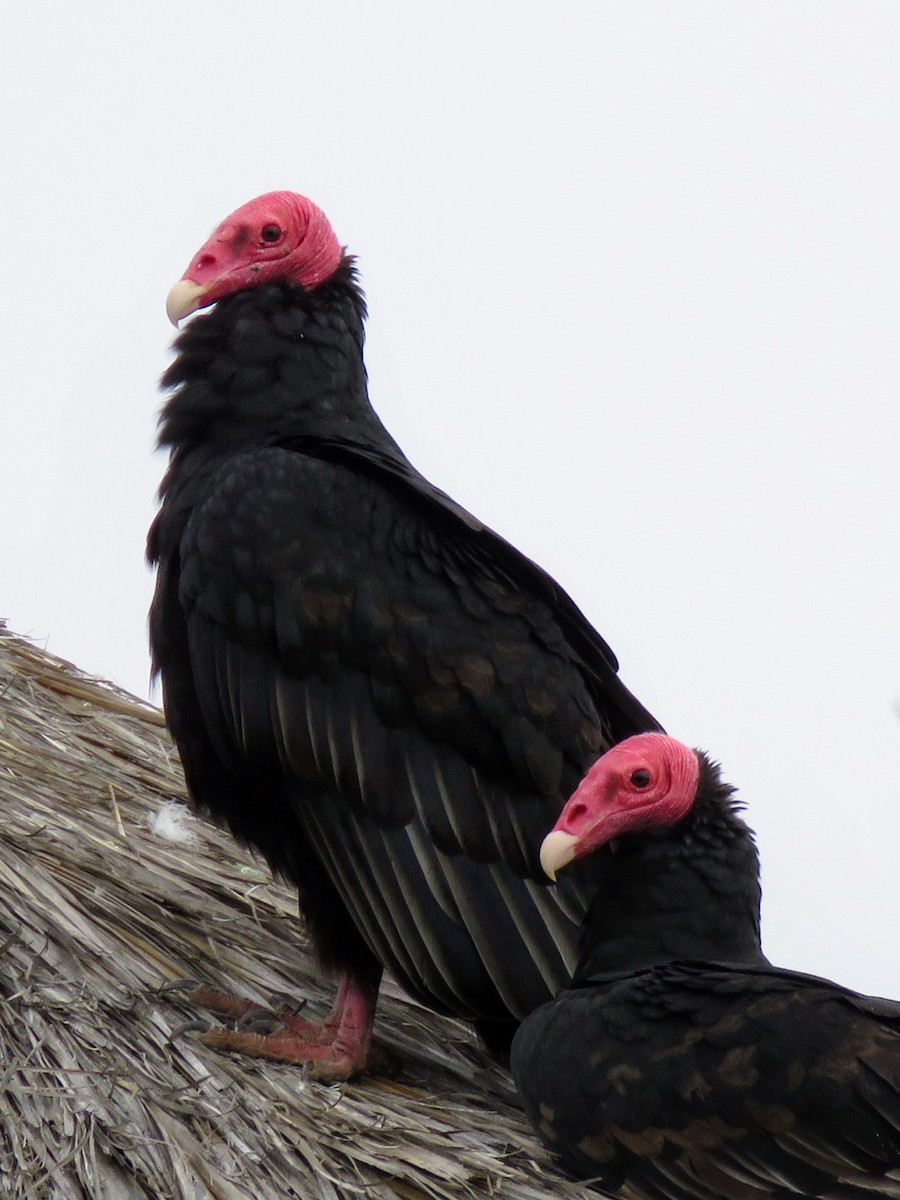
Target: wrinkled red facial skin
608, 803
237, 256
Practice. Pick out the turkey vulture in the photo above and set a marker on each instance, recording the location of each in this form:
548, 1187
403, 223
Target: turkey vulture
679, 1064
364, 682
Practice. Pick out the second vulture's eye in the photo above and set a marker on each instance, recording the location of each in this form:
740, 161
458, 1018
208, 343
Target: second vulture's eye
641, 778
271, 233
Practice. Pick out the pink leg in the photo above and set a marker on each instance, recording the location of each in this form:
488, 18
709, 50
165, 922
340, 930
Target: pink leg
338, 1048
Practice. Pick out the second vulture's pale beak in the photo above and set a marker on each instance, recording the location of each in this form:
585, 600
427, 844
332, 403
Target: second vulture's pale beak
184, 298
557, 849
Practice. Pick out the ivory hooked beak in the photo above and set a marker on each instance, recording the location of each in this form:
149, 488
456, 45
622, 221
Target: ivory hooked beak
557, 849
184, 298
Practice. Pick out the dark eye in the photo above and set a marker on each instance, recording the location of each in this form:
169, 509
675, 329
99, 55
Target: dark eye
641, 778
271, 233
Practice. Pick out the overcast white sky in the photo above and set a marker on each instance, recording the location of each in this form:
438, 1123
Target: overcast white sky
633, 272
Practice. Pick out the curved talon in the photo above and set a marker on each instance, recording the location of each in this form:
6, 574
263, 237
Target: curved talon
284, 1003
259, 1020
178, 985
194, 1025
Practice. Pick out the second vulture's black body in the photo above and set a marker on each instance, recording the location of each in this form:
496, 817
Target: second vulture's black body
680, 1064
378, 692
710, 1081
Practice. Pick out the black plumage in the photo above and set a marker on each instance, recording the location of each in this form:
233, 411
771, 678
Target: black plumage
681, 1065
363, 681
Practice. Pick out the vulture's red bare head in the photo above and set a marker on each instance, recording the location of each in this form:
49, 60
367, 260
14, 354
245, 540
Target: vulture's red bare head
277, 238
647, 782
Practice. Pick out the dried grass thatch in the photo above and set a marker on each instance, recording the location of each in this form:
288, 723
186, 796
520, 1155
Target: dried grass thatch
101, 1096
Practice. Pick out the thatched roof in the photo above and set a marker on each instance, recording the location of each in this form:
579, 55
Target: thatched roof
101, 1096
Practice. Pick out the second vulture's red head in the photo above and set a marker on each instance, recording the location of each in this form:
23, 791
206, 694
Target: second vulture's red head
646, 782
277, 238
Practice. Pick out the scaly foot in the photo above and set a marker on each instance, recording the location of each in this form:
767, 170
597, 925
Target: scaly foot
335, 1049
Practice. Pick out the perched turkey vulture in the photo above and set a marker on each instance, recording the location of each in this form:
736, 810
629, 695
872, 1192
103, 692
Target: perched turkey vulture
679, 1064
363, 681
